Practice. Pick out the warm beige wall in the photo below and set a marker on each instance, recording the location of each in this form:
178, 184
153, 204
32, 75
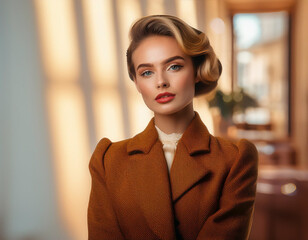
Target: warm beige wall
300, 81
221, 42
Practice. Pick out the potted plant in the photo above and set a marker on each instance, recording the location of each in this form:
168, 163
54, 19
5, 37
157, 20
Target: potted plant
228, 104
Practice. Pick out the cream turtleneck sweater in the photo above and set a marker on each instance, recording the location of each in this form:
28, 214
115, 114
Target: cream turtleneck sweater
169, 142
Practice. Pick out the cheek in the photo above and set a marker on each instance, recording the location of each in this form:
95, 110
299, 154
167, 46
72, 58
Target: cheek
187, 82
144, 90
187, 86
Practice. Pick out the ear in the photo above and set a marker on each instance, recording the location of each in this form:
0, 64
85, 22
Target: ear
136, 84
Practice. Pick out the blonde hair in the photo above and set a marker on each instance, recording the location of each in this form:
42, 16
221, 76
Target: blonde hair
193, 43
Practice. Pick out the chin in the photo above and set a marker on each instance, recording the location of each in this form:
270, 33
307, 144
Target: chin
168, 111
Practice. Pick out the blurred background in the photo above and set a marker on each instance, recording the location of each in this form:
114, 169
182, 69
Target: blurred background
64, 85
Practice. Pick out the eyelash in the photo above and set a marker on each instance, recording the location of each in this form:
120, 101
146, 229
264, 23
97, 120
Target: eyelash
178, 67
147, 73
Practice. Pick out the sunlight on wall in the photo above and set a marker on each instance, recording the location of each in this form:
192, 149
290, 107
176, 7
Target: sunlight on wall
71, 152
155, 7
66, 111
100, 41
128, 13
186, 10
103, 66
108, 115
218, 28
58, 39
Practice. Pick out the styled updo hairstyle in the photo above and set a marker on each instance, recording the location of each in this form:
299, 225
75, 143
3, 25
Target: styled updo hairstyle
193, 43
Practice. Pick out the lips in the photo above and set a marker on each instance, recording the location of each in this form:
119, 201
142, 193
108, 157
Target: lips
164, 97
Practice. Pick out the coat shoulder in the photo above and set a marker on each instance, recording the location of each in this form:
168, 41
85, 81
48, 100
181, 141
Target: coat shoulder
107, 147
108, 153
232, 151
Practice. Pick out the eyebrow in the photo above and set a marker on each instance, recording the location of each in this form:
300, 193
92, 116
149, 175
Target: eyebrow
164, 62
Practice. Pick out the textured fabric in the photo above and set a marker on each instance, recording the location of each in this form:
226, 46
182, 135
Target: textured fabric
169, 142
208, 194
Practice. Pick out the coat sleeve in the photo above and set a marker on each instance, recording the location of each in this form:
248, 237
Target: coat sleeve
102, 220
233, 219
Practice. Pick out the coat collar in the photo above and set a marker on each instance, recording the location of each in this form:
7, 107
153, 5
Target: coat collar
196, 138
144, 141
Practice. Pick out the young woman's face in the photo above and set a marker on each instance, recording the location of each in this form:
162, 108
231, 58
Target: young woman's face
164, 75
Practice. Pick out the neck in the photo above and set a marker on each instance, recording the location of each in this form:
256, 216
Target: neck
176, 122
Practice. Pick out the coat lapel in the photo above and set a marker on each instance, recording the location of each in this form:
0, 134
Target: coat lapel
148, 175
188, 166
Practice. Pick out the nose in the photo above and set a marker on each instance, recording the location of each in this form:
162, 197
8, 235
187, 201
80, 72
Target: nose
162, 81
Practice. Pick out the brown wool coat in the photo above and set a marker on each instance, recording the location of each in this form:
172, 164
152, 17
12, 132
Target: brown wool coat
209, 193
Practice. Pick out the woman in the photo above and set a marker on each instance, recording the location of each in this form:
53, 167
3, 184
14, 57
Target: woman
173, 180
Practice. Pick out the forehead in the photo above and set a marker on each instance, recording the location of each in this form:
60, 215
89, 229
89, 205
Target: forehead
156, 49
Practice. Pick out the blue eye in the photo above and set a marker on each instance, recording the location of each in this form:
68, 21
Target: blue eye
175, 67
146, 73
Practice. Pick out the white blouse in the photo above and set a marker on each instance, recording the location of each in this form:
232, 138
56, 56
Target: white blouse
169, 142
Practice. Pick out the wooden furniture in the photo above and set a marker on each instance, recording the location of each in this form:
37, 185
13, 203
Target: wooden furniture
281, 210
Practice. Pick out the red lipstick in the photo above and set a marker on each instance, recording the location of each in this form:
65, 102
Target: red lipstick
164, 97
